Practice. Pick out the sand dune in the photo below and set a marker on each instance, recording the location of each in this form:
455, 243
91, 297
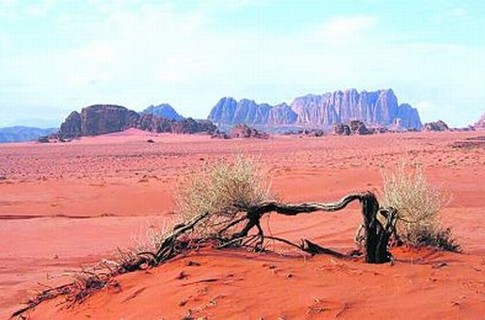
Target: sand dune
63, 206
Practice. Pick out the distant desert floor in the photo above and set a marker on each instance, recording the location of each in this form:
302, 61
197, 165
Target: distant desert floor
68, 205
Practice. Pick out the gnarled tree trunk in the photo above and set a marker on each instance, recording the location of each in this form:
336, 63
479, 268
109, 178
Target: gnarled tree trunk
378, 223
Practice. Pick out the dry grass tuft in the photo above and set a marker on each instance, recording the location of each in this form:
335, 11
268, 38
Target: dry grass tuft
419, 205
222, 189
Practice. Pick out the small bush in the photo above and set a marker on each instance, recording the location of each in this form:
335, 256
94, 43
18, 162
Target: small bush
220, 189
43, 139
419, 205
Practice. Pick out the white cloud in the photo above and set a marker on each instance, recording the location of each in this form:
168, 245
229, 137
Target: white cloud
40, 8
96, 53
8, 3
343, 29
230, 5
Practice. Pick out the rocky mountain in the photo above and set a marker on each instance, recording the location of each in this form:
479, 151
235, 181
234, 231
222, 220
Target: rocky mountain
97, 119
282, 114
101, 119
163, 110
480, 124
229, 111
378, 108
21, 134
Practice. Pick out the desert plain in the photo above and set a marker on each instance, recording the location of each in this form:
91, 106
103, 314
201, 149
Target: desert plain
66, 206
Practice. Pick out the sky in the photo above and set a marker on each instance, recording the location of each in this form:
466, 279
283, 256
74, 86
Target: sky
59, 56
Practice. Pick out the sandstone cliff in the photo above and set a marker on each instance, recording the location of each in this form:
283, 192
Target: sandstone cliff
100, 119
229, 111
379, 108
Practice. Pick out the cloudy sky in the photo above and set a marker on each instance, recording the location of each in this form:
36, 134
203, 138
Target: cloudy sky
58, 56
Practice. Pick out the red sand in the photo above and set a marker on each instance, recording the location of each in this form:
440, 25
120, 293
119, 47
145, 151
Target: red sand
67, 205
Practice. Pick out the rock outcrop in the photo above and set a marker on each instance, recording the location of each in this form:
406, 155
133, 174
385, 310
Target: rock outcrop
359, 128
480, 124
355, 127
342, 129
436, 126
163, 110
97, 119
379, 108
71, 127
244, 131
190, 126
101, 119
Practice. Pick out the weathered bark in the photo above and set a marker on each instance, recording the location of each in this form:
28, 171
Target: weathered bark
376, 233
378, 226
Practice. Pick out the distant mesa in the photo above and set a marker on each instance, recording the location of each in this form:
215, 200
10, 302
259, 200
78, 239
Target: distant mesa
375, 109
97, 119
436, 126
101, 119
163, 110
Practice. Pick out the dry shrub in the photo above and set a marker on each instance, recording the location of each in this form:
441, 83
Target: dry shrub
222, 189
153, 236
419, 205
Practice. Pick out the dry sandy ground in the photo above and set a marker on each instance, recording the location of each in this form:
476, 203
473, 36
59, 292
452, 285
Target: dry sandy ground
63, 206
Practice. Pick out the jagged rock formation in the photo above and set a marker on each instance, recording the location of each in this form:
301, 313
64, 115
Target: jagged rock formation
71, 127
229, 111
220, 135
379, 108
190, 126
355, 127
244, 131
282, 114
480, 124
358, 127
436, 126
163, 110
21, 133
342, 129
100, 119
308, 133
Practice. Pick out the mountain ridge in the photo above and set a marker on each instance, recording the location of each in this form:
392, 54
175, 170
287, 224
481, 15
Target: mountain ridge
374, 108
23, 133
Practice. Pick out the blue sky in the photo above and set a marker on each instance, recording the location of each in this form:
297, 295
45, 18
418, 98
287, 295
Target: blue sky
58, 56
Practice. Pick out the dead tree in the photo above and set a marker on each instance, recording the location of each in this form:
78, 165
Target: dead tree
378, 223
378, 226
